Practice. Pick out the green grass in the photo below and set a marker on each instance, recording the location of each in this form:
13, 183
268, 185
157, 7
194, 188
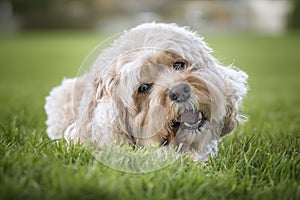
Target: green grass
258, 161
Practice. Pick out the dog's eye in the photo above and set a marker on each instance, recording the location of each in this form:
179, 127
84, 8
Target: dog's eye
179, 65
144, 87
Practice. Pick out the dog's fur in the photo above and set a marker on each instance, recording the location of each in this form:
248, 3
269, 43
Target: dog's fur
105, 105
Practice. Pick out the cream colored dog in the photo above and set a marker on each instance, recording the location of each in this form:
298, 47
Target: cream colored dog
157, 84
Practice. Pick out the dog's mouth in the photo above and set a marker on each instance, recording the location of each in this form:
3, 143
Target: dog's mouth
190, 120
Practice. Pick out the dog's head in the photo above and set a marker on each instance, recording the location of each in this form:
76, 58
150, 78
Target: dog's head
167, 89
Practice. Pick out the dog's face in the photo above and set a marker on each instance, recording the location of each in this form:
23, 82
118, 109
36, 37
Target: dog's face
165, 97
168, 90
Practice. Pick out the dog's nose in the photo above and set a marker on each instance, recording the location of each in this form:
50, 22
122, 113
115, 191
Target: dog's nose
180, 92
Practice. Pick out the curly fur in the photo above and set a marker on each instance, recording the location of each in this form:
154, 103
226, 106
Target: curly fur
104, 107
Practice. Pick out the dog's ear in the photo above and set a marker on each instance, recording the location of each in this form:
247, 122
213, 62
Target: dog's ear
236, 87
94, 91
96, 102
110, 113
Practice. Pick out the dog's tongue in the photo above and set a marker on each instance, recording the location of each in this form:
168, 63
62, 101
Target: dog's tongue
189, 117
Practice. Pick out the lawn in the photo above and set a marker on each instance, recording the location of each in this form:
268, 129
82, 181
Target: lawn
260, 160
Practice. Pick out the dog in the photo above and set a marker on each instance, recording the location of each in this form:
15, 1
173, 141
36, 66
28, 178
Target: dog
156, 85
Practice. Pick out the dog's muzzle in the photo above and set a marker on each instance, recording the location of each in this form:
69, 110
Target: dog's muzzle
189, 119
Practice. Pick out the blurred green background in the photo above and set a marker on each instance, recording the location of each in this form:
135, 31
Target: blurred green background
43, 41
263, 16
